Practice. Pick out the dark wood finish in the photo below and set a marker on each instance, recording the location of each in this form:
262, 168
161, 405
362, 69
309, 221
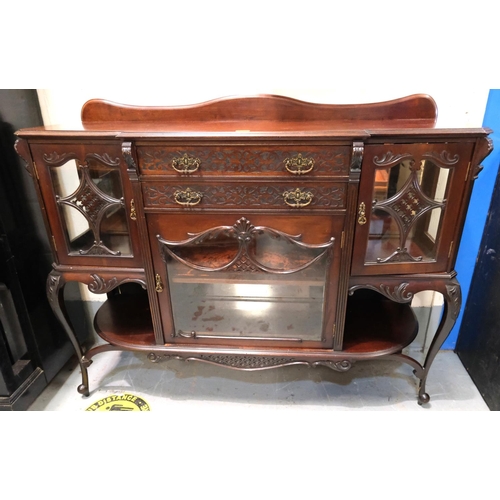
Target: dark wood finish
205, 185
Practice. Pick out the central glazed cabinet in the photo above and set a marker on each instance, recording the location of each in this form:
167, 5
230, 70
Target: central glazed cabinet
259, 231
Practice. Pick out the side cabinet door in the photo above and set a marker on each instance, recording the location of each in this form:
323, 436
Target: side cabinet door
88, 199
410, 207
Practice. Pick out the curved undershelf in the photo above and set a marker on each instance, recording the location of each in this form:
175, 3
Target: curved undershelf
377, 326
125, 321
373, 328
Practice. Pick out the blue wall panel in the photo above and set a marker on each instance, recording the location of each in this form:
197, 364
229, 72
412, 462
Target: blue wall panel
478, 210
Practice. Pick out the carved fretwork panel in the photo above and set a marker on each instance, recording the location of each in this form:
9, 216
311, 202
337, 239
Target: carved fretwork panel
244, 258
408, 205
87, 201
405, 208
254, 363
93, 204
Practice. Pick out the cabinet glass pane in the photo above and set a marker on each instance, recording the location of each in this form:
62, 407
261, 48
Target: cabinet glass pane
90, 200
114, 230
266, 286
408, 203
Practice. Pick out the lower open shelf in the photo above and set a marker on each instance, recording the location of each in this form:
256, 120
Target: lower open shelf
375, 326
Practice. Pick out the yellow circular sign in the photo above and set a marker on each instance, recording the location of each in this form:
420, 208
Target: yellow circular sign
120, 402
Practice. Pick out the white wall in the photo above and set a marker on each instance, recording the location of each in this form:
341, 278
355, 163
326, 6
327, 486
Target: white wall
169, 53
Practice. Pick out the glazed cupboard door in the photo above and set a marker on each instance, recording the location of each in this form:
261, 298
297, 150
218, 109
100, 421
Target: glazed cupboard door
88, 198
409, 200
258, 281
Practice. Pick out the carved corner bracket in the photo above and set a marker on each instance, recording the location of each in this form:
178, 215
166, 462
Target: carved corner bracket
454, 299
132, 168
358, 149
22, 149
483, 151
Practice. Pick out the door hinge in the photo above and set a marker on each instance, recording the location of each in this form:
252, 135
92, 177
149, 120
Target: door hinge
451, 249
36, 171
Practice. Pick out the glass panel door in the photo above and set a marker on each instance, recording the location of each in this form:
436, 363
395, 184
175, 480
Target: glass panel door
247, 282
408, 202
89, 195
409, 196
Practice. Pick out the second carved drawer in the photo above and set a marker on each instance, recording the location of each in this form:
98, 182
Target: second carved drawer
228, 195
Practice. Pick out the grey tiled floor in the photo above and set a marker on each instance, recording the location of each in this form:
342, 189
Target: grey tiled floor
176, 385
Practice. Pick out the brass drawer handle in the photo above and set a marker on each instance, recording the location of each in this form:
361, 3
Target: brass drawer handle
297, 198
362, 214
187, 198
298, 165
186, 164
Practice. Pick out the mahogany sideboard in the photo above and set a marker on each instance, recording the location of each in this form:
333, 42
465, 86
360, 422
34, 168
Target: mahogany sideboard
259, 231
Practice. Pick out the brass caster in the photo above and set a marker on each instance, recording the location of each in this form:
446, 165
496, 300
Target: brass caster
423, 399
84, 390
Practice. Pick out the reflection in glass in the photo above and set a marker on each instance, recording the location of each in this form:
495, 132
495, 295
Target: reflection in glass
250, 282
114, 230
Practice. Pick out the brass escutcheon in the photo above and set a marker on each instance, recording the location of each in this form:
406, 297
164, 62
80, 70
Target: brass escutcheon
299, 165
362, 214
159, 284
186, 164
297, 198
133, 213
187, 198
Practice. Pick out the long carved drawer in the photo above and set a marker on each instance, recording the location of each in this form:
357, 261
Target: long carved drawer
277, 161
291, 196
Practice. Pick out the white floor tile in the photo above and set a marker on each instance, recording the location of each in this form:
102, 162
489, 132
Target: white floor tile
373, 385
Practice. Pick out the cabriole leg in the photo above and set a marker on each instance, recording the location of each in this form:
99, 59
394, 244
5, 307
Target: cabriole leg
452, 302
55, 286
